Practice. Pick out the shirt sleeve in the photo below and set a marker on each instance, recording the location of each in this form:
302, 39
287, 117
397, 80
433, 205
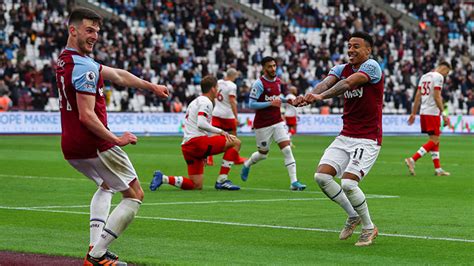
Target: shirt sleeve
372, 69
438, 82
233, 90
204, 112
337, 71
85, 75
205, 109
257, 90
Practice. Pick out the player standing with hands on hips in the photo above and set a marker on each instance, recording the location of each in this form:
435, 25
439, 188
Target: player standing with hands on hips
87, 143
353, 153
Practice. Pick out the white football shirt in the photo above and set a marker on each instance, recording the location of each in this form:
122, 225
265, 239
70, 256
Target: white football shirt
199, 106
290, 110
430, 82
223, 109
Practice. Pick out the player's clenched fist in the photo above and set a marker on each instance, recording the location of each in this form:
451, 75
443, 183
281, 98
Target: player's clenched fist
298, 101
276, 102
311, 98
160, 90
127, 138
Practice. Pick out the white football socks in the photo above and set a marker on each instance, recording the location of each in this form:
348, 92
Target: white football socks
119, 219
290, 163
357, 199
99, 211
254, 158
334, 192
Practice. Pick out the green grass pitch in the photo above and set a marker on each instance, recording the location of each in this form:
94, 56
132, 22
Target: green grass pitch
422, 220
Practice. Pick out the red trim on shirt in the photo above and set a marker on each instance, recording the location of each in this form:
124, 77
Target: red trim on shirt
203, 114
437, 88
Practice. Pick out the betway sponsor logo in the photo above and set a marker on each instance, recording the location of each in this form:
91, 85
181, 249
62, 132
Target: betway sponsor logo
271, 98
354, 93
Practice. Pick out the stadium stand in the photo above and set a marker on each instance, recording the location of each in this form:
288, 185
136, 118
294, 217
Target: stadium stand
178, 42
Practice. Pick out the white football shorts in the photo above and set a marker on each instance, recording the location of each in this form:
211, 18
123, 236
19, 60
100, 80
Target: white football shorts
264, 136
112, 167
352, 155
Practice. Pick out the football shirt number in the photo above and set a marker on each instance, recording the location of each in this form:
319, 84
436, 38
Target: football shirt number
220, 97
425, 90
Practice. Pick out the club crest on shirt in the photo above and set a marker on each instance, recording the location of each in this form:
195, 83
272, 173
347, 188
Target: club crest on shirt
101, 91
90, 76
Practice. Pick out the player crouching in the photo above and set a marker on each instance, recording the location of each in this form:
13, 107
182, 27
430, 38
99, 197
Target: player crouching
197, 145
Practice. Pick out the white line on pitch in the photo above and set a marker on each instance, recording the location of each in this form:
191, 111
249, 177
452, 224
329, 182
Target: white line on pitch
188, 202
256, 225
243, 188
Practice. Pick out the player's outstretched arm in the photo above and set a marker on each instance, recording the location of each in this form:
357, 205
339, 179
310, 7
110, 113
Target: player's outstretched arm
354, 80
87, 116
325, 84
127, 79
416, 106
339, 88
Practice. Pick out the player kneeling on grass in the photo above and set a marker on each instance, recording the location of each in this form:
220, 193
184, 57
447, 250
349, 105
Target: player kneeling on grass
353, 153
197, 145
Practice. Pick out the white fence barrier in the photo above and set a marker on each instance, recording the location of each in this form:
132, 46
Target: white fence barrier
171, 123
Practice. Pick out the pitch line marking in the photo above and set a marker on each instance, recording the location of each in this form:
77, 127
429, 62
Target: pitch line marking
243, 188
185, 203
256, 225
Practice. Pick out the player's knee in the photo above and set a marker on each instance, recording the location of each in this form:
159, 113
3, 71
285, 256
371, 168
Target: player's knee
140, 194
197, 185
322, 179
237, 143
348, 185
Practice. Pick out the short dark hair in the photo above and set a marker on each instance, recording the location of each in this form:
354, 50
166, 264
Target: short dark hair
365, 36
267, 59
80, 13
207, 83
446, 64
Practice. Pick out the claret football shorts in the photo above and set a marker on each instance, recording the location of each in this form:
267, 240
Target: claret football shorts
352, 155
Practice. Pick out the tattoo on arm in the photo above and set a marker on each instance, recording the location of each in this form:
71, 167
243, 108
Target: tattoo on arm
323, 86
336, 90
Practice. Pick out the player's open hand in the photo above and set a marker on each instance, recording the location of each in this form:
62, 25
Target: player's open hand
311, 98
228, 137
276, 102
127, 138
411, 120
160, 90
